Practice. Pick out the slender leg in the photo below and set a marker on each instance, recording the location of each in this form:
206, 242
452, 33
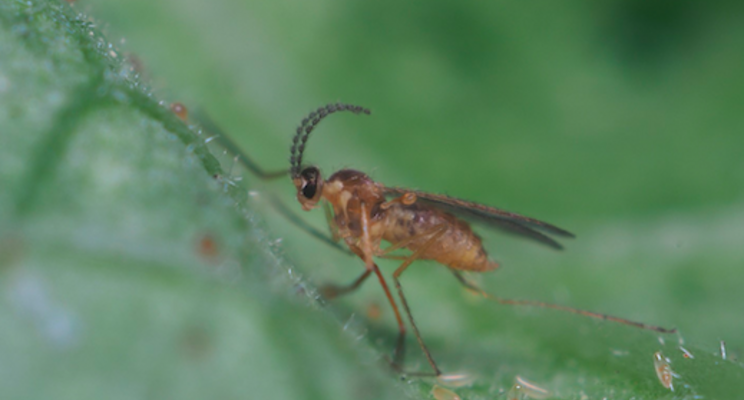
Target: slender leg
252, 166
541, 304
332, 226
303, 225
400, 345
434, 235
331, 291
365, 252
226, 142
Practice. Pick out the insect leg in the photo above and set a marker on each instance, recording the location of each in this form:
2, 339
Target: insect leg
400, 345
332, 291
332, 226
435, 233
208, 124
541, 304
366, 252
297, 221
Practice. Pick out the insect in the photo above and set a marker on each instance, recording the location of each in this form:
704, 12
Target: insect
364, 213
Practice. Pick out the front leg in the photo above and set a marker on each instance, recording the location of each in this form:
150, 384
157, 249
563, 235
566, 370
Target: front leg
367, 252
364, 249
433, 236
211, 126
332, 225
331, 291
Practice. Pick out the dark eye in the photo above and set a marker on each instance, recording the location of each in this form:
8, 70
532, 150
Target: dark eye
309, 190
310, 178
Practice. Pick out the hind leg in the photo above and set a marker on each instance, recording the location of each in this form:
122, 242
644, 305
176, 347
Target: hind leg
572, 310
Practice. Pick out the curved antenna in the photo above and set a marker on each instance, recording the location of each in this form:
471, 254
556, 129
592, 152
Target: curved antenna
308, 124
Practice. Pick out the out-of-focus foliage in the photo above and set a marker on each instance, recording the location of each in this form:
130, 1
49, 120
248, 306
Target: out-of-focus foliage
617, 120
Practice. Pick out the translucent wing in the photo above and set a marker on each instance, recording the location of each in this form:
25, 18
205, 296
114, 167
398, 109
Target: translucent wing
500, 219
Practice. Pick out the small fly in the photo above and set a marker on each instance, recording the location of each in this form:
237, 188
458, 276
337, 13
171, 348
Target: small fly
364, 213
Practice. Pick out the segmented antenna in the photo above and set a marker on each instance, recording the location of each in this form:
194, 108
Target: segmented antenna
307, 126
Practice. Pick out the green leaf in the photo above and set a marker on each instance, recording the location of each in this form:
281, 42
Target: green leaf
127, 270
134, 263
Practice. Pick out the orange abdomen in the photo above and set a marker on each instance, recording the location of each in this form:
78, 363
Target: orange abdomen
458, 247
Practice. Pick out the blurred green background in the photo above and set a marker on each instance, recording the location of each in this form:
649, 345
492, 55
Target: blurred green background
620, 121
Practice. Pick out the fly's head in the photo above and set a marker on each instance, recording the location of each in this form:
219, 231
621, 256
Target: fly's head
308, 180
309, 184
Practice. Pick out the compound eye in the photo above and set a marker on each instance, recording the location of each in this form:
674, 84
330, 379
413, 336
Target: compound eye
310, 177
309, 190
